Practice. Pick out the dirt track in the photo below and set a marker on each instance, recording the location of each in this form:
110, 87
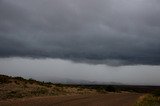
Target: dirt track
123, 99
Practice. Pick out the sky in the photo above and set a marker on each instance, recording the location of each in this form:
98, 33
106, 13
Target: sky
96, 40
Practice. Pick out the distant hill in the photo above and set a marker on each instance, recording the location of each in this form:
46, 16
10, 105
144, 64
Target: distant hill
18, 87
84, 82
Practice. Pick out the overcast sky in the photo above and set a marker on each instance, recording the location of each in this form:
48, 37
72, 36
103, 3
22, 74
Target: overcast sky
93, 33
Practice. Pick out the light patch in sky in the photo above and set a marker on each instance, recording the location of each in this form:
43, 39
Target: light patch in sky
57, 69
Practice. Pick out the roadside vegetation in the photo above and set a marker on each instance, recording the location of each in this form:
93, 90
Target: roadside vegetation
152, 99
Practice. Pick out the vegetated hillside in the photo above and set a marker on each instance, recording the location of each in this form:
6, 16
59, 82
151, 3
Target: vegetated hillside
18, 87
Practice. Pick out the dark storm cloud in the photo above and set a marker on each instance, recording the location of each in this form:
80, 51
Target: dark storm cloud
114, 32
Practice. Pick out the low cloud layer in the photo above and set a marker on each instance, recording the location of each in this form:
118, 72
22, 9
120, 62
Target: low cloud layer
114, 32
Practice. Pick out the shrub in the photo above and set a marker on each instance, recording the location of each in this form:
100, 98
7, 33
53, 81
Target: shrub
17, 82
59, 85
110, 88
31, 81
156, 92
148, 100
39, 91
48, 84
4, 79
19, 78
14, 94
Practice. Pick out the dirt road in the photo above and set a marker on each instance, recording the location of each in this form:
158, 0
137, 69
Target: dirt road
122, 99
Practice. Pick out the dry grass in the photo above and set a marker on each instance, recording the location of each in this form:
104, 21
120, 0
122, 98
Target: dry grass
148, 100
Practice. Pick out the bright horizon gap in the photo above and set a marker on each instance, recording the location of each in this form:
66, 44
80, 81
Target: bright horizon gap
58, 69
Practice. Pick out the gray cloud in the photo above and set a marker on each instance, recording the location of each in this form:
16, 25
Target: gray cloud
101, 32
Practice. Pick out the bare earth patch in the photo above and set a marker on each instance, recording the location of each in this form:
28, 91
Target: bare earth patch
110, 99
